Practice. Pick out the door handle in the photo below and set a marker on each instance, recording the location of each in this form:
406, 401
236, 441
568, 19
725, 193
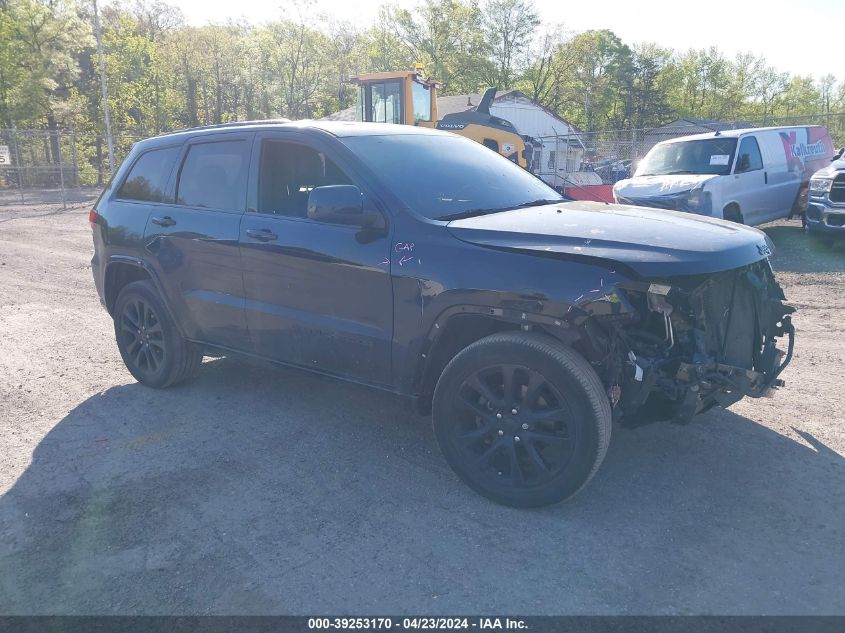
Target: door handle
164, 221
263, 235
766, 177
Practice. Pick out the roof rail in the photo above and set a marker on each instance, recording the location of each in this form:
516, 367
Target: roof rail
225, 125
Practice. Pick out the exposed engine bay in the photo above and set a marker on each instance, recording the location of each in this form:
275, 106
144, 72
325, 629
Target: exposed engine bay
678, 346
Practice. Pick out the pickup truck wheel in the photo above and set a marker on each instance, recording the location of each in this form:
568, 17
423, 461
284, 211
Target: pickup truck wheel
522, 419
151, 347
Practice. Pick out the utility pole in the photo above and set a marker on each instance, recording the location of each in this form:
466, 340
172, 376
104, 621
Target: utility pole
98, 35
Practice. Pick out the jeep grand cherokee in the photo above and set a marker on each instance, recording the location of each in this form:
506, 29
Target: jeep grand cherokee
421, 263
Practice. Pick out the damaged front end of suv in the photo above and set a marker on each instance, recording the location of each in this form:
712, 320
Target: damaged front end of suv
674, 347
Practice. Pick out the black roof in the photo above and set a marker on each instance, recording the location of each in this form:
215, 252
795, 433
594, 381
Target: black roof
335, 128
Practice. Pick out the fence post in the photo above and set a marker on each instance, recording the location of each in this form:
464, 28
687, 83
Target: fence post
18, 162
633, 144
61, 169
75, 162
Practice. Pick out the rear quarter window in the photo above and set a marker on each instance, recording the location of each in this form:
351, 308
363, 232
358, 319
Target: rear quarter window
148, 176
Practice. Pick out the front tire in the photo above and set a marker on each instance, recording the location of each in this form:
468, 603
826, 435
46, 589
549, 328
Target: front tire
151, 346
733, 214
522, 419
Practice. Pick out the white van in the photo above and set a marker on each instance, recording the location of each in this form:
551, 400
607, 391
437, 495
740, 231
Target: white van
750, 176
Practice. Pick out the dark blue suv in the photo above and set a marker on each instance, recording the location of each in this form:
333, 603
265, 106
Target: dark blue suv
421, 263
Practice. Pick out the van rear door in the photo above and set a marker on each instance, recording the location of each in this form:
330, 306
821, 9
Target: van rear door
784, 182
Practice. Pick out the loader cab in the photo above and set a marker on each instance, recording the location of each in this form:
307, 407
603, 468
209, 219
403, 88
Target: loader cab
396, 97
409, 99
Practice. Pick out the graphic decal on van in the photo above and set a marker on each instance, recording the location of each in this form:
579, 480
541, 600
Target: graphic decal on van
806, 150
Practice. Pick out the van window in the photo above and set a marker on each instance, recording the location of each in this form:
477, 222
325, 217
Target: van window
287, 175
214, 175
749, 158
147, 180
702, 156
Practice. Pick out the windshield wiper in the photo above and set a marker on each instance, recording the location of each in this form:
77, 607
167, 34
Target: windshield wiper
476, 212
537, 203
471, 213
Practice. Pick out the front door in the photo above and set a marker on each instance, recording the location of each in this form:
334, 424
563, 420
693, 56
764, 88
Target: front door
317, 294
750, 182
193, 241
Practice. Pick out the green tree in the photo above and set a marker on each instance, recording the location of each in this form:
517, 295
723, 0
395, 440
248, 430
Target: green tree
509, 27
447, 37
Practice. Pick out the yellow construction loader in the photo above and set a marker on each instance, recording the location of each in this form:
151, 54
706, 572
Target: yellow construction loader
407, 98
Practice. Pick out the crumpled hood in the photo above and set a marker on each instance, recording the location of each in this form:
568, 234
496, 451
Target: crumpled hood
650, 186
653, 243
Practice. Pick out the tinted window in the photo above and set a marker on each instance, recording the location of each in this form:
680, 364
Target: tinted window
749, 155
147, 180
441, 175
288, 173
705, 156
214, 175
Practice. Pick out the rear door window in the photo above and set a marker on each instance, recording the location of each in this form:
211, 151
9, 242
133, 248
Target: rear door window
147, 179
214, 175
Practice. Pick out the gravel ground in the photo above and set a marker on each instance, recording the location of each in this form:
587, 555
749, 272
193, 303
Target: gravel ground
255, 490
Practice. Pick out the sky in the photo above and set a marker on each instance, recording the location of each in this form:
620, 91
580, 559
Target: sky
805, 37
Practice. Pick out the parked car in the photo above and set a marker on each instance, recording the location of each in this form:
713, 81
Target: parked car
748, 176
826, 212
418, 262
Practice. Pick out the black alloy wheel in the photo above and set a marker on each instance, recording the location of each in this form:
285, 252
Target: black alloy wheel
522, 418
513, 426
142, 337
150, 344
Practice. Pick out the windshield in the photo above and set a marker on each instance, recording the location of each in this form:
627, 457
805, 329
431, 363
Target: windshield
444, 176
705, 156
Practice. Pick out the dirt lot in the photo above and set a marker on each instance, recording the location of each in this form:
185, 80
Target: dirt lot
254, 490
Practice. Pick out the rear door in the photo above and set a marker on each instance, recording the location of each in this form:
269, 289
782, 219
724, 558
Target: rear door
317, 294
192, 242
784, 181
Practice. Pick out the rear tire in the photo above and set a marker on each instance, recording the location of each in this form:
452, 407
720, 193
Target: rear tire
151, 346
522, 419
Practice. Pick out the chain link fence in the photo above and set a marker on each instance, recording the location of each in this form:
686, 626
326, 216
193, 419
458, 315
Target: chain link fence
55, 166
70, 166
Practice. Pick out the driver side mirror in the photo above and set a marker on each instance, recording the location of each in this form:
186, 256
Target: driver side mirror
340, 204
743, 164
838, 154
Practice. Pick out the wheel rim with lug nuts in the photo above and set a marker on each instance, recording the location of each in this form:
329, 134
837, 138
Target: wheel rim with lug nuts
142, 337
512, 426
